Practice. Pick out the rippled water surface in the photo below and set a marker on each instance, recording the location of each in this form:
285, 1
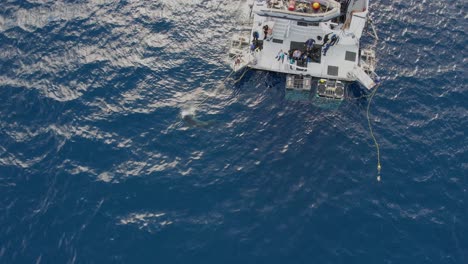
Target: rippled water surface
97, 165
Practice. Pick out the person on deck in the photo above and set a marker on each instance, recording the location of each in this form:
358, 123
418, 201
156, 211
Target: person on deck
280, 56
333, 41
255, 36
326, 38
325, 49
258, 46
309, 44
297, 54
253, 46
265, 31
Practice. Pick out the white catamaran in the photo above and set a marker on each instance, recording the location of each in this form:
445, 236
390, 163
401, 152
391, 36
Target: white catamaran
316, 43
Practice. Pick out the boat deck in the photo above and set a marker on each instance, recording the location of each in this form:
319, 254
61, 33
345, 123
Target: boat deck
339, 60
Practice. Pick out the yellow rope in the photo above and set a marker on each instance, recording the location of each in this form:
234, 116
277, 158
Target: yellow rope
379, 167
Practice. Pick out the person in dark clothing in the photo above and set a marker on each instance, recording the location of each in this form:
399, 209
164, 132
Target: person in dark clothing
326, 38
253, 46
309, 55
309, 44
333, 40
265, 31
255, 36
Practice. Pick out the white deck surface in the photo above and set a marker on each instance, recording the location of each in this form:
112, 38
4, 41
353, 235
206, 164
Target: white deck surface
335, 55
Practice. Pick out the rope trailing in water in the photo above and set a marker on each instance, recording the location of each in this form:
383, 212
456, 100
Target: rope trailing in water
377, 147
224, 81
227, 77
242, 76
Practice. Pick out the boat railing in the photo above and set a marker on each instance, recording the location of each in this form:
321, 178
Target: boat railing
294, 67
242, 59
288, 29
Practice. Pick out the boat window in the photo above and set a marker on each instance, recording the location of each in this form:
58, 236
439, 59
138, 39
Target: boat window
350, 56
305, 24
332, 70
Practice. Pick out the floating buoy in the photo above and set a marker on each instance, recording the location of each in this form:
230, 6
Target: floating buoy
292, 5
316, 6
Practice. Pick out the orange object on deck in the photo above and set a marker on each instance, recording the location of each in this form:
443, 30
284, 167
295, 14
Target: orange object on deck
316, 6
292, 5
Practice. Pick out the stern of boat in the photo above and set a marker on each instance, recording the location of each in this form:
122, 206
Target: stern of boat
239, 53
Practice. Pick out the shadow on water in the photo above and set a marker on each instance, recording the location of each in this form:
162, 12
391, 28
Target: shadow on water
193, 121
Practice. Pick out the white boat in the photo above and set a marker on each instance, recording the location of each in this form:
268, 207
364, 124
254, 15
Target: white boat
316, 43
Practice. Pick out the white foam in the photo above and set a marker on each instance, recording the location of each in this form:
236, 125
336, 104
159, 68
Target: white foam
188, 111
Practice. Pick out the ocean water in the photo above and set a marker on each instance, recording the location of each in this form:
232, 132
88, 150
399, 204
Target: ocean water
97, 165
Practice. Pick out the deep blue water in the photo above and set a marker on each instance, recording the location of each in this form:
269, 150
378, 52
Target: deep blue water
96, 165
